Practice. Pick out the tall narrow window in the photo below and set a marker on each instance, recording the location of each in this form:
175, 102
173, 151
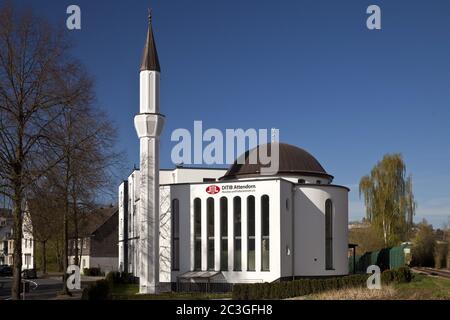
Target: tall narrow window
175, 235
224, 234
237, 234
251, 233
265, 233
197, 234
329, 235
210, 232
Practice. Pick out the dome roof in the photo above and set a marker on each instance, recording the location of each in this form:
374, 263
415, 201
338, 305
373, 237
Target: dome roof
293, 161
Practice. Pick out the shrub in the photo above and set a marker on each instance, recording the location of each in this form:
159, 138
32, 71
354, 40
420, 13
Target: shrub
99, 290
400, 275
115, 277
92, 272
403, 274
288, 289
387, 276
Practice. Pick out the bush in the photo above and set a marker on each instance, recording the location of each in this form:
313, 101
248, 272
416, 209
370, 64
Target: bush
400, 275
295, 288
387, 276
99, 290
92, 272
115, 277
403, 275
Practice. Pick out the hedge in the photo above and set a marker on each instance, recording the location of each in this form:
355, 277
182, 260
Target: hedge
99, 290
115, 277
296, 288
93, 272
400, 275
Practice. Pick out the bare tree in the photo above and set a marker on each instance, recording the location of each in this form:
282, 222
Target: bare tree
85, 139
38, 82
44, 209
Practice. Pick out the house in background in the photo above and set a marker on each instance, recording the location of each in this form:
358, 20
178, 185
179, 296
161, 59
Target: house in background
97, 241
7, 241
6, 224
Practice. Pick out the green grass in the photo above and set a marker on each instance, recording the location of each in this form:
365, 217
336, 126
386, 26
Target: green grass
424, 287
421, 287
130, 292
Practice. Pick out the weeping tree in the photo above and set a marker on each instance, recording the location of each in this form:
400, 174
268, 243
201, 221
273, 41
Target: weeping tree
389, 199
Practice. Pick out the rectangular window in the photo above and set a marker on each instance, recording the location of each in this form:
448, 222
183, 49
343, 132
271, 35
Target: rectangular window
251, 233
237, 234
210, 231
224, 234
197, 234
175, 235
329, 235
265, 233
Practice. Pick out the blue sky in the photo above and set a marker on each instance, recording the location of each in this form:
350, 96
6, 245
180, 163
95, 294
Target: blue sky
310, 68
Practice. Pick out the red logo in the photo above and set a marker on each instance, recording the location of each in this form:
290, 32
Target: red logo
213, 189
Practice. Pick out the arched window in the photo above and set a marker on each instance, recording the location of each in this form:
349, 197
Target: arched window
175, 235
329, 234
197, 234
224, 234
237, 234
210, 232
251, 233
265, 233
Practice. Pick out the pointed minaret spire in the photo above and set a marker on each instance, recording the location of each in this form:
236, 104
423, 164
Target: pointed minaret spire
149, 123
150, 55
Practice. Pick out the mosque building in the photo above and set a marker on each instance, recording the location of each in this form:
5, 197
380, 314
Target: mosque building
190, 226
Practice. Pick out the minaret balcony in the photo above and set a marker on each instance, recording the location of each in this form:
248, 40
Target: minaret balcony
149, 124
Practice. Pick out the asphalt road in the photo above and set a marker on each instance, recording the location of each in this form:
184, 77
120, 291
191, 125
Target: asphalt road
47, 288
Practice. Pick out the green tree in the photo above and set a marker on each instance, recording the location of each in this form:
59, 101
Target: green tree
424, 245
389, 199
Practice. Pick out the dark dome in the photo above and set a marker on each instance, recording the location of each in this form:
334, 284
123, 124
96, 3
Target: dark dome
293, 161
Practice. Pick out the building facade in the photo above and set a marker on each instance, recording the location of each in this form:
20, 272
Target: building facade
197, 225
97, 241
7, 241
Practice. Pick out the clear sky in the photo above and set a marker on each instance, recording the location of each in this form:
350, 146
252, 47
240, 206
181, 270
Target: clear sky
310, 68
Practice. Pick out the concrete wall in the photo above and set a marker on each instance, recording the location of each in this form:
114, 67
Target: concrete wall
309, 206
231, 190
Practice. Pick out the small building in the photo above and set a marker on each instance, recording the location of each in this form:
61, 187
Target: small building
7, 241
6, 224
97, 241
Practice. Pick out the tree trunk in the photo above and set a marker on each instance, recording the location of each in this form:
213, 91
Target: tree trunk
17, 237
65, 251
44, 257
75, 223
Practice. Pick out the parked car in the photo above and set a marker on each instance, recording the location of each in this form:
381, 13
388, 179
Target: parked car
29, 274
6, 271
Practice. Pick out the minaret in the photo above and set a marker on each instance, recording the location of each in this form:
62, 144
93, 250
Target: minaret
149, 124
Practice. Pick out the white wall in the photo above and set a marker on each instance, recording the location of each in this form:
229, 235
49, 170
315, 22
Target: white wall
121, 224
310, 230
262, 187
106, 264
27, 242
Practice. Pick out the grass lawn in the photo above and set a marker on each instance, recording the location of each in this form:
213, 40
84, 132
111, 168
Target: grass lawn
129, 292
422, 287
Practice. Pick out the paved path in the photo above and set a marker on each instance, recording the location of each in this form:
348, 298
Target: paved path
47, 288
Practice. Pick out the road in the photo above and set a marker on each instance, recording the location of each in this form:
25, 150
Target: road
47, 288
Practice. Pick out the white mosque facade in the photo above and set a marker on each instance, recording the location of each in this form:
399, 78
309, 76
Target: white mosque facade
235, 225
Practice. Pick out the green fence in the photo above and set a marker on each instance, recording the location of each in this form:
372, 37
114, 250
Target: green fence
387, 258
